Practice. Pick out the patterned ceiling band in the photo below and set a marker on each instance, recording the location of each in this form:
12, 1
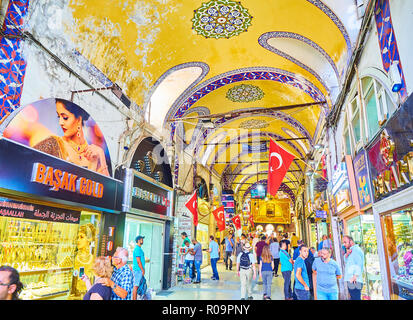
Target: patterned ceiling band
253, 73
245, 93
221, 19
254, 134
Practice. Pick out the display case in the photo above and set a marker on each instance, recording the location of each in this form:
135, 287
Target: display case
362, 230
42, 252
399, 251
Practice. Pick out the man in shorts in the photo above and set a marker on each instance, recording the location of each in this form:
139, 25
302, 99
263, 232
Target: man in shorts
138, 265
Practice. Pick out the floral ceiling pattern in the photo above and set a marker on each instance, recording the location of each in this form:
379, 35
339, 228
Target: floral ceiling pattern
221, 19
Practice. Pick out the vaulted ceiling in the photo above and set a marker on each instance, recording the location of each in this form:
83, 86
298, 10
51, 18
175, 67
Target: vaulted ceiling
181, 59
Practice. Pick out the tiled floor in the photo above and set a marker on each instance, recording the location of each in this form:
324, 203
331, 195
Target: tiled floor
227, 288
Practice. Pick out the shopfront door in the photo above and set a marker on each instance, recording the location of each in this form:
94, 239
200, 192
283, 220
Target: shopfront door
153, 231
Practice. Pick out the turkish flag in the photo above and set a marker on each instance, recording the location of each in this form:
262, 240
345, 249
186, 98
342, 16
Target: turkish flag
251, 220
278, 164
219, 215
237, 222
192, 205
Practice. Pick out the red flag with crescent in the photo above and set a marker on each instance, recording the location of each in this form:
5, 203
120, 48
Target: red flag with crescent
251, 220
192, 205
278, 164
219, 215
237, 222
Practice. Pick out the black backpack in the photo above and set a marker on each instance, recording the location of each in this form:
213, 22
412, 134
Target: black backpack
245, 262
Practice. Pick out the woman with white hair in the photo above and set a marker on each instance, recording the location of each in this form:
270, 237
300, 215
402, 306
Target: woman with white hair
121, 281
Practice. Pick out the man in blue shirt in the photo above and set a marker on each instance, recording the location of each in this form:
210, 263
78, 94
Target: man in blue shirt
301, 283
354, 267
138, 264
214, 256
326, 271
297, 249
229, 247
286, 269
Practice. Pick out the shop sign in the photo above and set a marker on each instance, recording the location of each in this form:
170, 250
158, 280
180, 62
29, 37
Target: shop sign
362, 179
28, 171
16, 209
149, 197
391, 154
341, 188
58, 179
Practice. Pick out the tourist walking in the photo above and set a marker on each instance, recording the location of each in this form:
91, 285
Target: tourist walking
266, 272
275, 253
10, 285
138, 265
354, 266
309, 264
326, 272
301, 279
255, 240
246, 271
285, 239
259, 246
214, 256
197, 252
121, 281
238, 247
229, 248
102, 269
286, 270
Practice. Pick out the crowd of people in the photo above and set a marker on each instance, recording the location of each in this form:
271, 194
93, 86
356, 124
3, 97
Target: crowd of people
308, 274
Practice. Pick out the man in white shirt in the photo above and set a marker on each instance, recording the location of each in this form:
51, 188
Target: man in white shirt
189, 258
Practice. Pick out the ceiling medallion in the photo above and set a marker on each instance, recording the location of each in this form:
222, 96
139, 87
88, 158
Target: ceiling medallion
254, 124
245, 93
221, 19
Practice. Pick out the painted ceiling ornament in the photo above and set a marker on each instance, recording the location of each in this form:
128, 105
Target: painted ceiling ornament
221, 19
254, 124
245, 93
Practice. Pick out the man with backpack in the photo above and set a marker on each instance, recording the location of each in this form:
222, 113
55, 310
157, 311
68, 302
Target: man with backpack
246, 271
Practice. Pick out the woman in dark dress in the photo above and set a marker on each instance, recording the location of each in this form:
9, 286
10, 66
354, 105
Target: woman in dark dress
102, 268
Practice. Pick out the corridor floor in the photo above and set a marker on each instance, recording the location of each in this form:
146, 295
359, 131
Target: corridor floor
227, 288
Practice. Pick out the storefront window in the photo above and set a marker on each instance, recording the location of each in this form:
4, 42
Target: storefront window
42, 252
362, 230
399, 244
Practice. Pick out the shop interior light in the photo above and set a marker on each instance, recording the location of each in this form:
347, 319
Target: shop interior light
318, 146
309, 173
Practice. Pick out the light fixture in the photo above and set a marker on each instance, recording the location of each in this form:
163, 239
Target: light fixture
309, 173
207, 123
318, 146
396, 80
260, 187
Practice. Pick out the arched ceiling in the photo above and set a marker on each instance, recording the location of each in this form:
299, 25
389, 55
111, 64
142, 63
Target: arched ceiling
179, 59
